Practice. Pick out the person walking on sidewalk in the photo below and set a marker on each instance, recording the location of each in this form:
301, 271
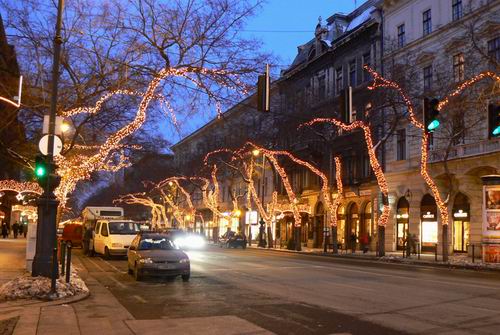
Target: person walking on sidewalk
408, 244
5, 231
364, 241
20, 229
353, 239
15, 229
25, 230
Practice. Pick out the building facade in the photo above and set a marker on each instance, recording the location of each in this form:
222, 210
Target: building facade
446, 43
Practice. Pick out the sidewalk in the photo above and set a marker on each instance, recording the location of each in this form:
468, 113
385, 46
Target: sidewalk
428, 259
101, 313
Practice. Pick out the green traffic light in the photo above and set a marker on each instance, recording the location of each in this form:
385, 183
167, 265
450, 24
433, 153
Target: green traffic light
433, 125
40, 171
496, 131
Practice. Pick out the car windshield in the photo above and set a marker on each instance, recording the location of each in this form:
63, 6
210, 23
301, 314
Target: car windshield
123, 228
158, 243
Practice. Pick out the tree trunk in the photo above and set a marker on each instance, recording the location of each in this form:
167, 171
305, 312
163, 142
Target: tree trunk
445, 243
298, 242
270, 243
381, 241
334, 240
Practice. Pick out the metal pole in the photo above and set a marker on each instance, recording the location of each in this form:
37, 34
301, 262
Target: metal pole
325, 237
473, 249
54, 272
47, 204
63, 256
68, 265
436, 253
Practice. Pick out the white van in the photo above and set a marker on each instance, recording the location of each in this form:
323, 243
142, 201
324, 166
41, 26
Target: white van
113, 237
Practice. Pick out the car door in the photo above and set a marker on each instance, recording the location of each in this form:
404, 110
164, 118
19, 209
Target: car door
105, 239
132, 252
97, 237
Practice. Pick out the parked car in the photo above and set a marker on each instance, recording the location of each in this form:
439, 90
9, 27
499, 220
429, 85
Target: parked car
233, 241
72, 234
155, 254
113, 237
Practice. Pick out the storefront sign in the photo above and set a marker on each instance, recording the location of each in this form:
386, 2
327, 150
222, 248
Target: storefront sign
402, 216
460, 214
428, 215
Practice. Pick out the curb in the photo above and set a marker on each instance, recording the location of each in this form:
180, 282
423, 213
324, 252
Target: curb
38, 303
385, 261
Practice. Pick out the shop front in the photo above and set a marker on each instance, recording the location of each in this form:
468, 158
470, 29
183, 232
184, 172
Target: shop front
461, 223
341, 231
252, 225
352, 225
318, 226
402, 222
491, 219
428, 224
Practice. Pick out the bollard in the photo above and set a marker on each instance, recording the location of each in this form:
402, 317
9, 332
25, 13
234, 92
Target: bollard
473, 248
419, 249
68, 264
63, 256
436, 252
376, 250
54, 272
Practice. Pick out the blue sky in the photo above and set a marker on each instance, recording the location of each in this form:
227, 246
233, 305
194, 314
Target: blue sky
283, 25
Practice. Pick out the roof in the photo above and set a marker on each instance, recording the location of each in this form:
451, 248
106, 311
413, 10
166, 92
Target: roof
338, 27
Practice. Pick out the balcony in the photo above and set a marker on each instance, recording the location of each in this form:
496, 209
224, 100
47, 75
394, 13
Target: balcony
466, 150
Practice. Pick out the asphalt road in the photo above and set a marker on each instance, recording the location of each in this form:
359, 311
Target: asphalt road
301, 294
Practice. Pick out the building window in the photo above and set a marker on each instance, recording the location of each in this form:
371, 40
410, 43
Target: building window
458, 67
366, 62
494, 49
321, 87
456, 9
339, 83
366, 166
427, 22
427, 78
352, 73
401, 36
401, 144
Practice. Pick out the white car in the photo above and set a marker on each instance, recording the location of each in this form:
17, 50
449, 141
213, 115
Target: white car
113, 237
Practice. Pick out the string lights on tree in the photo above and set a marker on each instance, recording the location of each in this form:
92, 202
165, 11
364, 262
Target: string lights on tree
20, 187
158, 212
381, 82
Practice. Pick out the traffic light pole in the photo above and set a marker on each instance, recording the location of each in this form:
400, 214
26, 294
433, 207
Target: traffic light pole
47, 203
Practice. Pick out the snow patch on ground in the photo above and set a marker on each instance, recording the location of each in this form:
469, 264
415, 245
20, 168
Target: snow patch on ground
28, 287
453, 261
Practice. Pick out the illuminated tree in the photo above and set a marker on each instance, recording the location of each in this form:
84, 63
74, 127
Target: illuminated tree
158, 212
381, 82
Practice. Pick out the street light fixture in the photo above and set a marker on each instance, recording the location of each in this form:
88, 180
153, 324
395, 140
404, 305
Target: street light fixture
65, 127
256, 152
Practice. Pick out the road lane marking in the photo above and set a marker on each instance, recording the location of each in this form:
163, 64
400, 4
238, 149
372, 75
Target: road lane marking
117, 281
114, 267
139, 298
97, 265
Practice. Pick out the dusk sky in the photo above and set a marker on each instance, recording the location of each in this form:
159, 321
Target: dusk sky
282, 25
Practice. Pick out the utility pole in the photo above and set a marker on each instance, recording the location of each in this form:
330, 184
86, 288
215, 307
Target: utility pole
47, 203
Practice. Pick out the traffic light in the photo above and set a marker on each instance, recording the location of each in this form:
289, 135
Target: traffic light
263, 92
345, 104
431, 114
493, 120
41, 168
45, 173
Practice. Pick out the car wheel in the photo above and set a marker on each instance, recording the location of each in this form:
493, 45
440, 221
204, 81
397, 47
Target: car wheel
186, 277
107, 255
137, 274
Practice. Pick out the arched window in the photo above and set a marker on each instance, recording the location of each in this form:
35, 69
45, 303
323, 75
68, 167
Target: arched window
461, 223
402, 220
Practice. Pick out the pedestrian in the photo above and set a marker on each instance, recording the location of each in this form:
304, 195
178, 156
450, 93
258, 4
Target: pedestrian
408, 244
25, 230
5, 231
363, 240
414, 243
20, 232
353, 239
15, 229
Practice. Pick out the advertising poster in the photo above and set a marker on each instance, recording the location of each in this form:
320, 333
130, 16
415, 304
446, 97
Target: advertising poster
492, 209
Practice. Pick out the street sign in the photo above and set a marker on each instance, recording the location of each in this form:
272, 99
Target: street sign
44, 143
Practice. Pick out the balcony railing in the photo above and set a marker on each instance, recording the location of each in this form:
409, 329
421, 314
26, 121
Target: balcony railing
466, 150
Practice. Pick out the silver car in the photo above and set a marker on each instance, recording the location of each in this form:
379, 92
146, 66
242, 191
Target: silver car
153, 254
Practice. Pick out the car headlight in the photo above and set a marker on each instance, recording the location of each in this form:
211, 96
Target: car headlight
116, 245
179, 242
184, 260
146, 260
